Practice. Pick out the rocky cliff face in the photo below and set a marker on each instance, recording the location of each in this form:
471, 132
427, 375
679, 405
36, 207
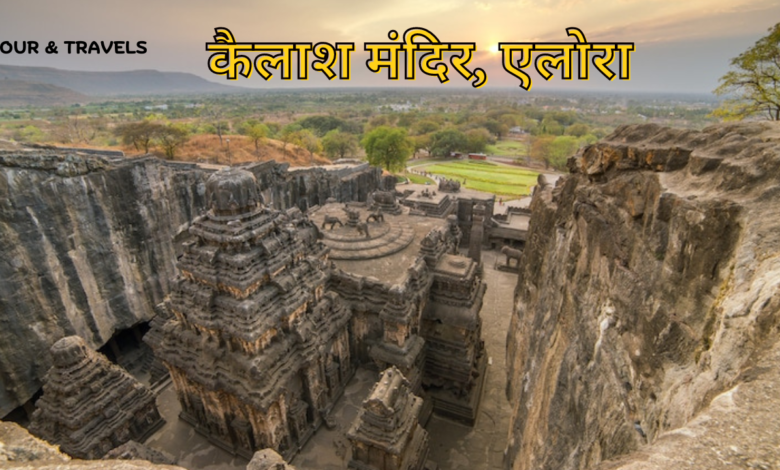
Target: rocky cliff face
88, 243
21, 450
649, 285
87, 249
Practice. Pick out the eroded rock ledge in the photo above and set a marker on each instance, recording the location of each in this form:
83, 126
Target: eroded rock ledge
649, 285
19, 450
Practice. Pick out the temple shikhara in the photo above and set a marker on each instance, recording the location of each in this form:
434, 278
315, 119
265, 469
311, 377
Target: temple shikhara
258, 348
274, 310
387, 434
90, 406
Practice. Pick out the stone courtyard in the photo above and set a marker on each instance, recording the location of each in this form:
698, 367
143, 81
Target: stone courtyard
379, 245
453, 446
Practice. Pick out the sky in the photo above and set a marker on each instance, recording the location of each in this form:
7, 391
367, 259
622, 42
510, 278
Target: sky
680, 45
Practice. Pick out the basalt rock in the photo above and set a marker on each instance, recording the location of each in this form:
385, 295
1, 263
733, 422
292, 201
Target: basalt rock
386, 434
90, 406
649, 285
20, 450
87, 254
268, 459
89, 239
258, 349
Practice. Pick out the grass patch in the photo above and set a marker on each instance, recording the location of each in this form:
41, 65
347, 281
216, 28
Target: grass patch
418, 179
488, 177
422, 161
508, 148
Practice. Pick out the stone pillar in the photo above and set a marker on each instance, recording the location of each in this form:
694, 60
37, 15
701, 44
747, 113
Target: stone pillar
477, 230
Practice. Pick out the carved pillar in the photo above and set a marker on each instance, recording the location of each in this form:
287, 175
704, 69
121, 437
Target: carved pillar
477, 230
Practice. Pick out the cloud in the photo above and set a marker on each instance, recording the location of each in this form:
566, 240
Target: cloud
699, 20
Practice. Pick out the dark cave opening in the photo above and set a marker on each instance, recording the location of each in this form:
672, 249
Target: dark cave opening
127, 350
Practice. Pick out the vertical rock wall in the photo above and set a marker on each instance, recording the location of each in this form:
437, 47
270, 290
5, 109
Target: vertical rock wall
88, 243
649, 280
86, 250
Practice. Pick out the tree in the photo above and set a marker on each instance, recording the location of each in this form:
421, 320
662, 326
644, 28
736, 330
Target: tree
139, 134
496, 128
561, 149
550, 125
426, 126
478, 139
540, 149
388, 147
28, 133
421, 142
289, 134
220, 128
215, 117
171, 137
377, 121
577, 130
322, 124
257, 132
755, 81
337, 144
446, 141
306, 139
76, 127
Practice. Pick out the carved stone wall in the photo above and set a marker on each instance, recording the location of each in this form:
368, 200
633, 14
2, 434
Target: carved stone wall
90, 406
91, 240
258, 348
386, 435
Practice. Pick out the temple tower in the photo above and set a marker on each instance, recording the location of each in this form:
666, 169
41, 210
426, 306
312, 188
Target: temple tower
257, 348
386, 434
90, 406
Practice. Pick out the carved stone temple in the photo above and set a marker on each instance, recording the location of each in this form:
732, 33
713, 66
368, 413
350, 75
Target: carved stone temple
273, 311
386, 435
415, 305
90, 406
258, 347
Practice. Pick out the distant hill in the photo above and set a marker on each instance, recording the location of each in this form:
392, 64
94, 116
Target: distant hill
134, 82
14, 93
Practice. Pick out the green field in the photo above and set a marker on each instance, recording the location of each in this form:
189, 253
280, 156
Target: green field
422, 161
508, 148
418, 179
488, 177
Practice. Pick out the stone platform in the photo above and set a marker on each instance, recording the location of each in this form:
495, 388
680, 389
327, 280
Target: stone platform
430, 202
347, 243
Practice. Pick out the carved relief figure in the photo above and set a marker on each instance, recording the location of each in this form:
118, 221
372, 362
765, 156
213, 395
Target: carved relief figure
376, 215
329, 219
362, 228
511, 254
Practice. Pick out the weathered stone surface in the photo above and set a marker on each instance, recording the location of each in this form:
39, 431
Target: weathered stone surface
258, 349
132, 450
90, 406
426, 322
739, 429
649, 285
268, 459
85, 255
386, 434
88, 243
20, 450
452, 328
282, 187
